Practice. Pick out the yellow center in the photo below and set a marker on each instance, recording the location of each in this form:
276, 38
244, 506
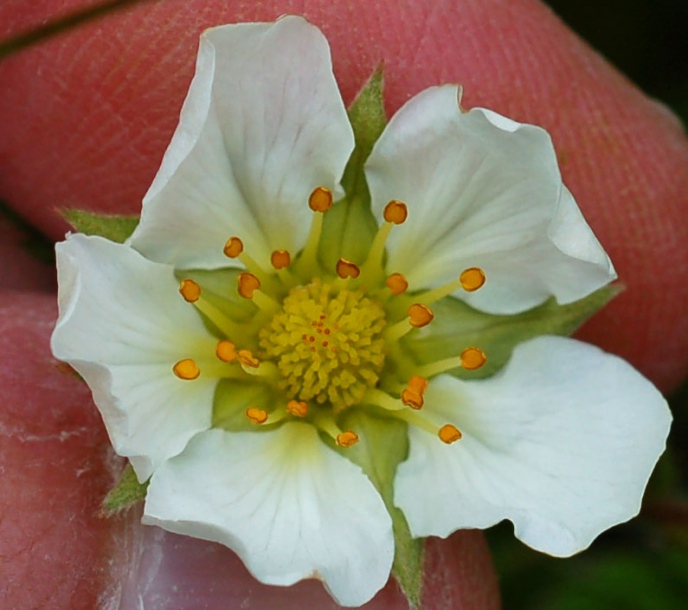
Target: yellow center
319, 341
327, 344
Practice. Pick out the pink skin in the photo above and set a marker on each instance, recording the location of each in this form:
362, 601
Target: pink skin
86, 118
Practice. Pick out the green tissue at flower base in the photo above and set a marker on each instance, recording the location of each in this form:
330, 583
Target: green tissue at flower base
329, 337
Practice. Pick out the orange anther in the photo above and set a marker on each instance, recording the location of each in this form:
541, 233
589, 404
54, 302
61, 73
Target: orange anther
256, 415
420, 315
472, 358
190, 290
226, 351
320, 200
418, 384
449, 434
471, 279
247, 284
234, 247
347, 438
395, 212
346, 269
186, 369
246, 358
396, 283
412, 399
280, 259
297, 408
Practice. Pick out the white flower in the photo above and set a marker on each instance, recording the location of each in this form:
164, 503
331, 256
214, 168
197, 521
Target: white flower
231, 401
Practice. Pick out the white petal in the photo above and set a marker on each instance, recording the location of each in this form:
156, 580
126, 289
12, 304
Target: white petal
288, 505
482, 191
123, 326
262, 126
561, 442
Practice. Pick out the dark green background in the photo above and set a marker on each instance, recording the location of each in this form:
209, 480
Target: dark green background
646, 39
642, 565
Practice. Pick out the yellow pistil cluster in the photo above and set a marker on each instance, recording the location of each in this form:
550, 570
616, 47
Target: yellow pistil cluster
322, 341
327, 344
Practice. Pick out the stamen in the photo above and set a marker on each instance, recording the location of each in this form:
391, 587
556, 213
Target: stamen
346, 269
396, 283
325, 422
248, 283
297, 408
186, 369
418, 384
420, 315
347, 438
192, 293
246, 358
473, 358
414, 418
412, 399
321, 199
412, 395
471, 279
449, 434
264, 302
280, 259
234, 247
256, 415
380, 398
252, 366
190, 290
226, 351
395, 212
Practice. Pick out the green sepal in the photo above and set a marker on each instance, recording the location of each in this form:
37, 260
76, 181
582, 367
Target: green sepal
457, 326
382, 446
114, 227
127, 492
349, 227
